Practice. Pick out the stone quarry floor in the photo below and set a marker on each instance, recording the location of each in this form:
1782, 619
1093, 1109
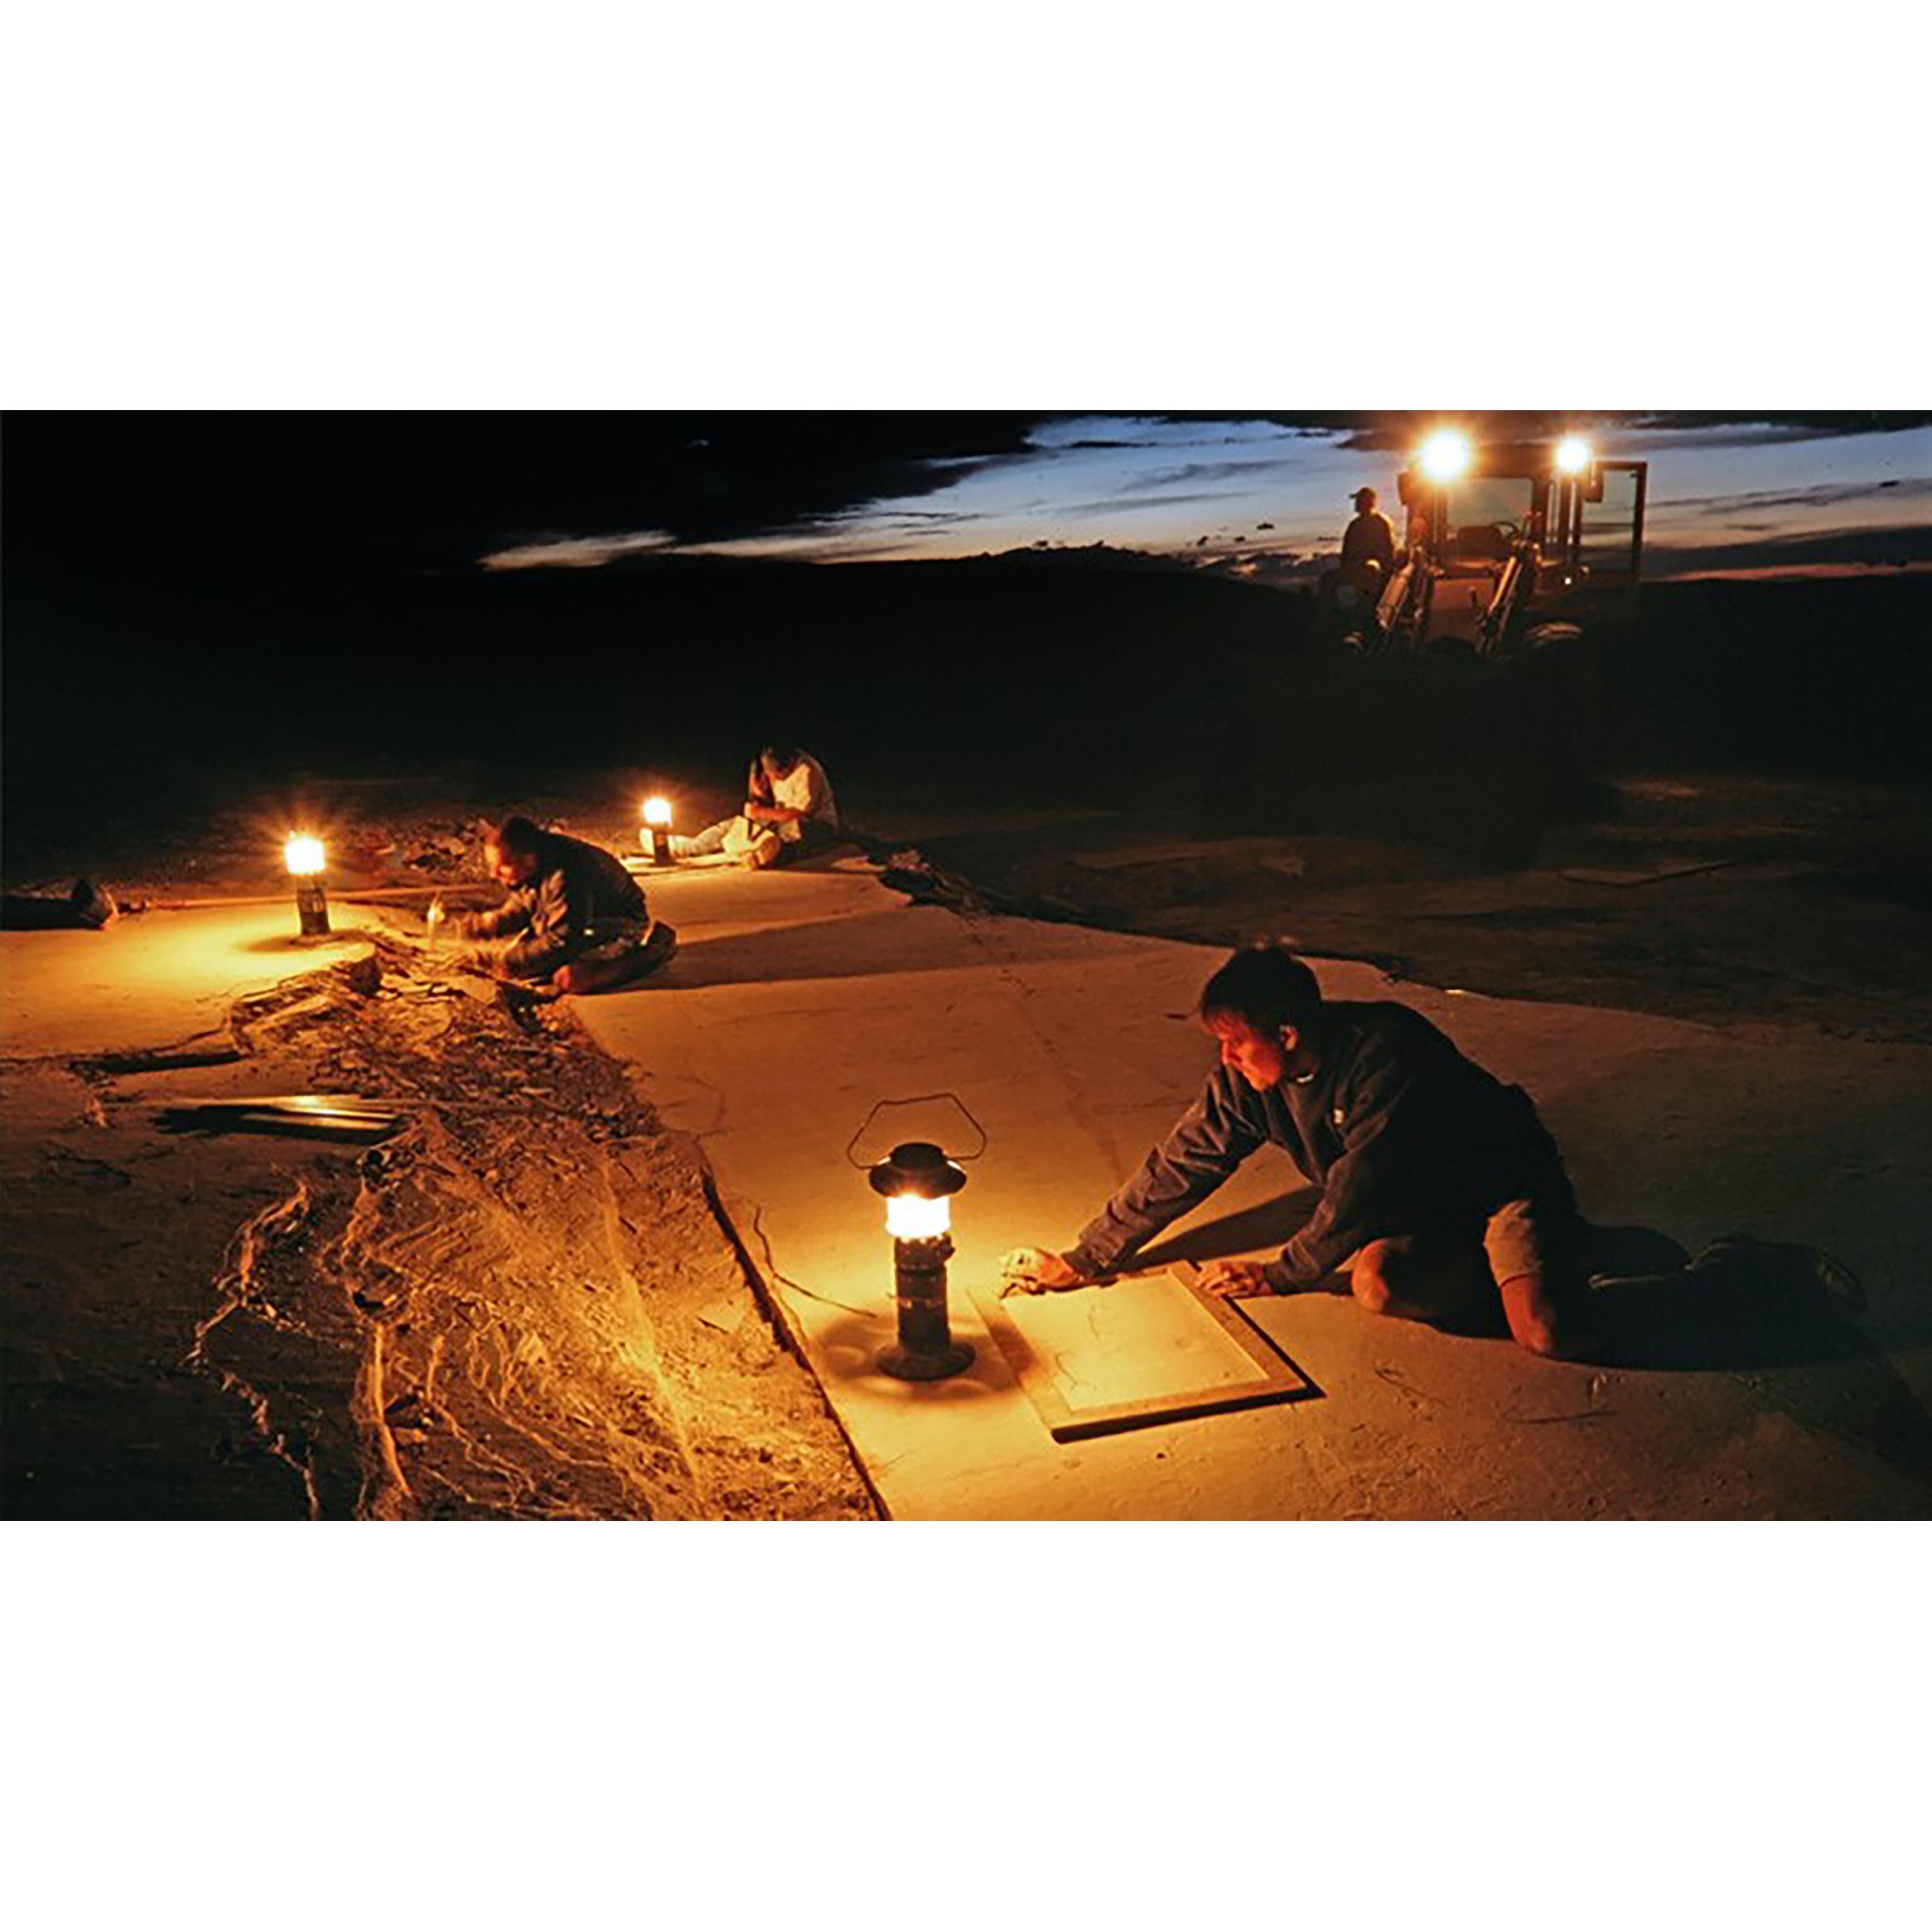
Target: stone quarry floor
799, 1000
348, 1359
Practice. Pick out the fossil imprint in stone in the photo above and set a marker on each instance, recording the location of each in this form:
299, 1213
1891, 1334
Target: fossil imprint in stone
1145, 1349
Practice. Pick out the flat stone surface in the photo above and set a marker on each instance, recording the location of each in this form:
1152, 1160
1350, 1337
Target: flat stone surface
800, 999
150, 978
1134, 1341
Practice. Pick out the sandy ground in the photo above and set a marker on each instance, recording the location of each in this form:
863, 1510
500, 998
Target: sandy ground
522, 1304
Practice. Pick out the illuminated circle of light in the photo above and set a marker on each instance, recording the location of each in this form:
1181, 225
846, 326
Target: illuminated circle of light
912, 1217
1573, 455
303, 854
657, 812
1445, 455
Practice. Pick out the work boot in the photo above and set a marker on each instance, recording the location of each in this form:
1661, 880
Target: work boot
1803, 1277
660, 943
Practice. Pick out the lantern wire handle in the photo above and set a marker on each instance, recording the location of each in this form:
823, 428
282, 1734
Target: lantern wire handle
919, 1100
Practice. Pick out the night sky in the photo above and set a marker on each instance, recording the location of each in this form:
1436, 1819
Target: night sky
203, 494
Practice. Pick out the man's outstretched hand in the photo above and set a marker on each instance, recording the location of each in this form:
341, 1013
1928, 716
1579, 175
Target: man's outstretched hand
1036, 1271
1229, 1279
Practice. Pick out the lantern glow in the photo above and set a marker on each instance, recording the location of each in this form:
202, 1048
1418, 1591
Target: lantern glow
911, 1217
1445, 455
1573, 456
303, 854
918, 1181
655, 837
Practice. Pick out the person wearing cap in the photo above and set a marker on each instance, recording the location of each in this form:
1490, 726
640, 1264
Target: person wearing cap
1368, 546
1444, 1198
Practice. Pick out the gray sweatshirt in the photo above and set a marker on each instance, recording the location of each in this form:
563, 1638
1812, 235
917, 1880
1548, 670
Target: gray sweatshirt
1402, 1134
581, 897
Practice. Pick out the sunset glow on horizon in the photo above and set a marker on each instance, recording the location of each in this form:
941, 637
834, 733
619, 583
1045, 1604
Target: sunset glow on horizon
1256, 495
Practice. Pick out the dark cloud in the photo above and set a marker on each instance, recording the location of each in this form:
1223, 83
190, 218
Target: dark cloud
1819, 496
1907, 546
154, 493
1744, 429
1398, 429
1227, 471
1102, 506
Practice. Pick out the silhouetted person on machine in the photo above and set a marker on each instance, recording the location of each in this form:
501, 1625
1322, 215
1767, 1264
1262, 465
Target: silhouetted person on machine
1368, 550
575, 921
1442, 1194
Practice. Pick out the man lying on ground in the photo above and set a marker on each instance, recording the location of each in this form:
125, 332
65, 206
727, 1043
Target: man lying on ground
575, 921
789, 810
1441, 1192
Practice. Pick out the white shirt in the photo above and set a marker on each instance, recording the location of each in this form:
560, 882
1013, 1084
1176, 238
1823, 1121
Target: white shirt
805, 789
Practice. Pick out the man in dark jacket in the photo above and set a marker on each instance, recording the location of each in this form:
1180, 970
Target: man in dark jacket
575, 919
1440, 1187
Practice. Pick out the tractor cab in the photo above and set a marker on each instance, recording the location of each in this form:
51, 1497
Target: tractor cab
1506, 543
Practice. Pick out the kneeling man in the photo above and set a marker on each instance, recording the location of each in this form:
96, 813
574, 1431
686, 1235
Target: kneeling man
575, 921
1440, 1189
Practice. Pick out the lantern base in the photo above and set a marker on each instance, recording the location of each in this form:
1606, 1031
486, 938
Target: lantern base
312, 909
925, 1365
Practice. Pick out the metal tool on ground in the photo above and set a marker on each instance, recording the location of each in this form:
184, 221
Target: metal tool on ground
315, 1116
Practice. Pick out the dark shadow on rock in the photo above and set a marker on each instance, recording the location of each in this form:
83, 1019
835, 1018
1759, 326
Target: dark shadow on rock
830, 949
1268, 1225
1679, 1321
825, 858
847, 1351
20, 913
1860, 1398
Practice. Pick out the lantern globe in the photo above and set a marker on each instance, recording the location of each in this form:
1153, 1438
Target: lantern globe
303, 854
914, 1217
